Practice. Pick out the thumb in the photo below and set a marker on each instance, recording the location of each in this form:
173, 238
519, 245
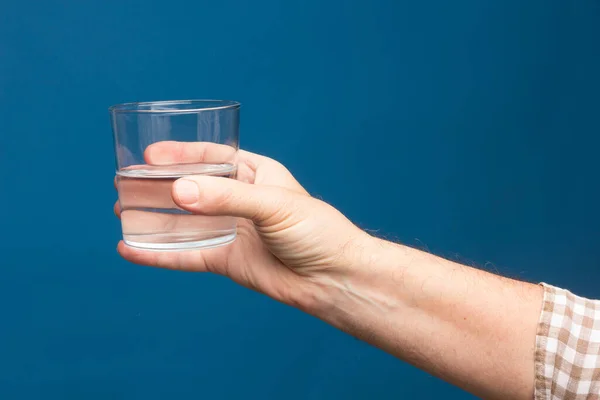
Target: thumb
211, 195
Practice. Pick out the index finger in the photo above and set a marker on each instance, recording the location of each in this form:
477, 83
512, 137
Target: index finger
170, 152
249, 164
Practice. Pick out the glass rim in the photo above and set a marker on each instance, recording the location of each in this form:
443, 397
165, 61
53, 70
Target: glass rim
135, 107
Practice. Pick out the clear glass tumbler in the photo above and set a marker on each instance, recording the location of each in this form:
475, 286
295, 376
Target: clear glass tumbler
157, 143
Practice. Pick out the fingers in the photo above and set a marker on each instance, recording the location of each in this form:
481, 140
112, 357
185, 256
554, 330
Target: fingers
217, 196
134, 222
169, 152
209, 195
195, 260
252, 167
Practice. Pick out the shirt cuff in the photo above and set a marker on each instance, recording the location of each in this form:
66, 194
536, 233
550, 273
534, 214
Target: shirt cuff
567, 360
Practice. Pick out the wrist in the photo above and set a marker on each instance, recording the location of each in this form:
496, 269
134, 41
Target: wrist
365, 276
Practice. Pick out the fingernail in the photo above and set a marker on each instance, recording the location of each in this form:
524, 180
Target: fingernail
187, 191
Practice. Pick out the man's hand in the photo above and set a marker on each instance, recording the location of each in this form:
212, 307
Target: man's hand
286, 239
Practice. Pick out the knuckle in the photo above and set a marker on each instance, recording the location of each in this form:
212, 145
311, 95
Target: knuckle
280, 166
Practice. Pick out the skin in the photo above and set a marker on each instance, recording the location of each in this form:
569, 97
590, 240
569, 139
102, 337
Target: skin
471, 328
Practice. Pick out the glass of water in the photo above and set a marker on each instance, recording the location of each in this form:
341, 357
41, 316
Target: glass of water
157, 143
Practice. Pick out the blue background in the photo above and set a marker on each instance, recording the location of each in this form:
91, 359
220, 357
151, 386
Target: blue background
467, 127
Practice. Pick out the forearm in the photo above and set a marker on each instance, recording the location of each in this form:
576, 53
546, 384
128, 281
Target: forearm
468, 327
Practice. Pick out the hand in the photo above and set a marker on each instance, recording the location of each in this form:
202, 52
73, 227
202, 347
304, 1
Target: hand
287, 243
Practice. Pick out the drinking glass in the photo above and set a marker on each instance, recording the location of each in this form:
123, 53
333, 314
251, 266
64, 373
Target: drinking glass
157, 143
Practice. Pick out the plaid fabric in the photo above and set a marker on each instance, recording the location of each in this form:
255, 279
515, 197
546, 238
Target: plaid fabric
567, 356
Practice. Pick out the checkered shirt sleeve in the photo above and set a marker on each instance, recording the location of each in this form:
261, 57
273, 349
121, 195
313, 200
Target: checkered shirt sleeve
567, 355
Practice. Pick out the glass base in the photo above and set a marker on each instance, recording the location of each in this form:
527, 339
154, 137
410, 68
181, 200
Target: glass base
181, 246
